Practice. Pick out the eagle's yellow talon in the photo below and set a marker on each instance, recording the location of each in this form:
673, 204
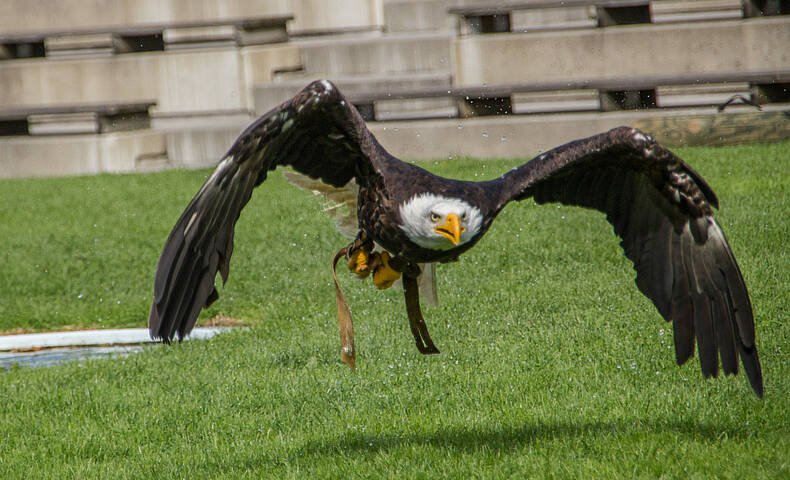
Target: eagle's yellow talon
384, 275
358, 263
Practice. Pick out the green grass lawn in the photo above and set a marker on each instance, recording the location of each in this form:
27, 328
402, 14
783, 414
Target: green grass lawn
552, 364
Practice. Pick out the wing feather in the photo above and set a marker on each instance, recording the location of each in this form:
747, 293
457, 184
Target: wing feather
317, 133
341, 202
427, 283
663, 212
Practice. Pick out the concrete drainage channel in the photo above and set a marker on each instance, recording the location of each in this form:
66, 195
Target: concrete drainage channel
44, 349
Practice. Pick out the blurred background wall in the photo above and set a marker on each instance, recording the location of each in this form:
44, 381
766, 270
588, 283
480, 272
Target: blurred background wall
88, 86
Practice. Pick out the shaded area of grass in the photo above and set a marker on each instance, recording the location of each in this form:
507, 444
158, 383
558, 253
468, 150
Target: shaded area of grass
553, 364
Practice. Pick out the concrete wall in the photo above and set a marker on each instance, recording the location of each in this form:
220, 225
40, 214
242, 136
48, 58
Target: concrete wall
201, 147
482, 137
422, 52
335, 15
490, 137
36, 16
417, 16
270, 94
739, 45
525, 136
139, 150
212, 80
183, 81
79, 154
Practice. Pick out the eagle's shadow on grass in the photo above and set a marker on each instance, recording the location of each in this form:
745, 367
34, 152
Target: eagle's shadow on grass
475, 439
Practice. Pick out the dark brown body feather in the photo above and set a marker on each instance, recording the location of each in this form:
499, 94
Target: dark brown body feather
661, 209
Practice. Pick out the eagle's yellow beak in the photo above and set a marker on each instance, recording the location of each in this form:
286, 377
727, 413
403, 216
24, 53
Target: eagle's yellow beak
451, 229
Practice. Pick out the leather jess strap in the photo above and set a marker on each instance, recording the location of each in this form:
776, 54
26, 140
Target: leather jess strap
347, 351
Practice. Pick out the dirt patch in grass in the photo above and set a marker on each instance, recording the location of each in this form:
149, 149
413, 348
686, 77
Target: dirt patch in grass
223, 321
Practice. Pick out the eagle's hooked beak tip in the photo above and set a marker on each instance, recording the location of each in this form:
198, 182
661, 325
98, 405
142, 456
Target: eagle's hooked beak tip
451, 229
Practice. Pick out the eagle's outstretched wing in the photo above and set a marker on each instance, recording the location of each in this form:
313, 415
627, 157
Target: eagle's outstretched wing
317, 132
663, 212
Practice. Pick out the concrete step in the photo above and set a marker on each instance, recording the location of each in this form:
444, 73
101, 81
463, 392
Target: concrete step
377, 55
356, 87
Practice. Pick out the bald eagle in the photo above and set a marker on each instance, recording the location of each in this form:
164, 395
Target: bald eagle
408, 218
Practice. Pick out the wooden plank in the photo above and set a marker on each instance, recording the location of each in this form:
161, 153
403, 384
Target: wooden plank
78, 42
674, 11
668, 7
23, 112
214, 33
718, 129
69, 123
504, 8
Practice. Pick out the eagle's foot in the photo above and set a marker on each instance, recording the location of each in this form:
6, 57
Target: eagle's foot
362, 260
359, 256
359, 263
383, 274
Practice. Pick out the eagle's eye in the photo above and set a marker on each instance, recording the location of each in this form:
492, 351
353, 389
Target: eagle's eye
463, 217
435, 217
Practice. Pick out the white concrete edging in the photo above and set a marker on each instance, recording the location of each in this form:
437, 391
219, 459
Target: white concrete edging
116, 336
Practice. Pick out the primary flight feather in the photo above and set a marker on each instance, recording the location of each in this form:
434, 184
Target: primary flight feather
408, 217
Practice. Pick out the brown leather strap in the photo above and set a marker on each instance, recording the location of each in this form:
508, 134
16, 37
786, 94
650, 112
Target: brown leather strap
418, 327
347, 351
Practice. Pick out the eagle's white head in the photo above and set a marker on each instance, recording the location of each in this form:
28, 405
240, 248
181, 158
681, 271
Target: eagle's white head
439, 223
